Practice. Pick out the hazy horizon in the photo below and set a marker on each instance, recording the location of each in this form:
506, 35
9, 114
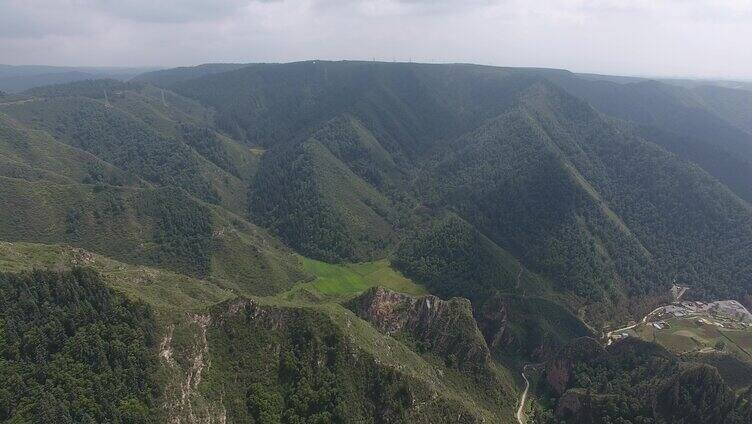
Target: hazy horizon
696, 39
149, 68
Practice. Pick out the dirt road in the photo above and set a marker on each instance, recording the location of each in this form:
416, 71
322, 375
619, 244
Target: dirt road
523, 399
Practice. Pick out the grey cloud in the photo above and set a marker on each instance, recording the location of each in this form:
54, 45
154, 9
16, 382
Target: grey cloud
645, 37
34, 18
402, 7
170, 11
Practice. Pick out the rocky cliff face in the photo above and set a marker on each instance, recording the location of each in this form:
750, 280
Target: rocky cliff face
443, 327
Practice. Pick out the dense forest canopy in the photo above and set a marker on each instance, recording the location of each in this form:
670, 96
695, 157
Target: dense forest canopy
74, 351
235, 218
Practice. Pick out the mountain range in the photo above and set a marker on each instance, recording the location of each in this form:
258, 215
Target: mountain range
368, 242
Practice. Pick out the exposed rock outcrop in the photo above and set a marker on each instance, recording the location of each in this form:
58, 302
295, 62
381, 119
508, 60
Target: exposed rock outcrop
444, 327
184, 404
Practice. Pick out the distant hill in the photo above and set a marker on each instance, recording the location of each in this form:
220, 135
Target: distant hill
168, 77
15, 79
680, 82
707, 125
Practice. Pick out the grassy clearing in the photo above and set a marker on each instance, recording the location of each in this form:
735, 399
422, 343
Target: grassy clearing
257, 151
346, 279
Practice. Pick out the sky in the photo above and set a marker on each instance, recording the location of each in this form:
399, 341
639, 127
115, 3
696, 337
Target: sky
667, 38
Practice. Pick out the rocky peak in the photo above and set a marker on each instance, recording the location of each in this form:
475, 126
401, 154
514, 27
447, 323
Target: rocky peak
444, 327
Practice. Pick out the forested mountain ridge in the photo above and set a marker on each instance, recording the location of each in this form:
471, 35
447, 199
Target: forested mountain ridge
135, 173
119, 133
555, 203
708, 125
319, 205
16, 79
463, 96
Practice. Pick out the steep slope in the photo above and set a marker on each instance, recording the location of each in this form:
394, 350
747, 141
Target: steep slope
732, 169
34, 155
521, 328
733, 105
353, 144
81, 169
511, 181
324, 363
317, 205
491, 184
131, 133
407, 106
530, 168
516, 310
698, 220
169, 294
445, 328
453, 259
253, 359
706, 125
655, 104
735, 372
603, 213
163, 227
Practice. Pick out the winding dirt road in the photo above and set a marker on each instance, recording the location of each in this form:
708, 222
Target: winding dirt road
523, 399
521, 410
17, 102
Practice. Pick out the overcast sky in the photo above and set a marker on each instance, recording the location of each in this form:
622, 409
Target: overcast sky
697, 38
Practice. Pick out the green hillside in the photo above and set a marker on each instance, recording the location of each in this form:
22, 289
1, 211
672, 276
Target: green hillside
132, 133
35, 155
319, 206
553, 160
349, 279
163, 227
169, 294
586, 183
407, 106
332, 367
705, 125
384, 376
365, 242
453, 259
